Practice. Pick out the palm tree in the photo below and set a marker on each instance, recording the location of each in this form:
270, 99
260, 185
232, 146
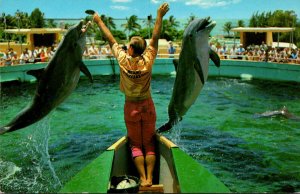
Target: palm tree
108, 21
131, 24
37, 18
172, 22
241, 23
149, 22
227, 27
50, 23
192, 17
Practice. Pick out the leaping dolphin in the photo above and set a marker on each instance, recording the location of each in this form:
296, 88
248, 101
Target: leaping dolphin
281, 112
56, 81
191, 69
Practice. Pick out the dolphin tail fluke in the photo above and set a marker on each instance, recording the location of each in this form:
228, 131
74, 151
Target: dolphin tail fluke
3, 130
166, 127
86, 72
214, 57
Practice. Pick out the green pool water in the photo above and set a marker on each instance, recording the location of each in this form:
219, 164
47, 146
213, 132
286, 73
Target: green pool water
220, 131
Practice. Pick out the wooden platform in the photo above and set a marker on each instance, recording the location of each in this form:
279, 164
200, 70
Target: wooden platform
153, 189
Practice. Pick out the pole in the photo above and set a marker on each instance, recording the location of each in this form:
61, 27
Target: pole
20, 38
149, 25
4, 26
277, 39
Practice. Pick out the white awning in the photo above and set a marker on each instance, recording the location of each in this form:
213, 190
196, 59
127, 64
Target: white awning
261, 29
283, 45
35, 31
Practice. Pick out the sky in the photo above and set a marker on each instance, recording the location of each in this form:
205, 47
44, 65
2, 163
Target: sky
120, 9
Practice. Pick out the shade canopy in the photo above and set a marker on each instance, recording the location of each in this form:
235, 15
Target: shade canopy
35, 31
261, 29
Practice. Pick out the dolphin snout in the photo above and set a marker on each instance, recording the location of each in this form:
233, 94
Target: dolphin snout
211, 25
85, 27
82, 28
205, 24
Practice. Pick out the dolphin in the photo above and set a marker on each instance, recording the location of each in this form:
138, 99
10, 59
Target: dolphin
191, 69
281, 112
56, 81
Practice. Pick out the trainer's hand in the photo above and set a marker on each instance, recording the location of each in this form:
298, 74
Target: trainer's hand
163, 9
96, 17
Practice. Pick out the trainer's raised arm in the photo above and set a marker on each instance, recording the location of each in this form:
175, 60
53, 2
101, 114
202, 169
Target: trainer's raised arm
108, 35
162, 10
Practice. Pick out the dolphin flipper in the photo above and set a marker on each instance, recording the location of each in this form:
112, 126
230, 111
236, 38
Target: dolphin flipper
3, 130
198, 68
86, 72
176, 62
37, 73
214, 57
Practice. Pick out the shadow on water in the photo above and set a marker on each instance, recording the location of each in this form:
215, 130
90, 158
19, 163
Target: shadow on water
74, 151
226, 155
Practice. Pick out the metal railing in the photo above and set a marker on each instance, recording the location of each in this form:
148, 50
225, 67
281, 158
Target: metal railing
12, 62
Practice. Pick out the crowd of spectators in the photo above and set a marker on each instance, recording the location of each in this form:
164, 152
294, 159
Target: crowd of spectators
44, 54
38, 54
258, 53
97, 52
252, 53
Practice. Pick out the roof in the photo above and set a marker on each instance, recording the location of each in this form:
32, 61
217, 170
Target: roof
263, 29
35, 31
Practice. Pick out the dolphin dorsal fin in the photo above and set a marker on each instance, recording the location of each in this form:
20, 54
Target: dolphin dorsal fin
214, 57
37, 73
86, 72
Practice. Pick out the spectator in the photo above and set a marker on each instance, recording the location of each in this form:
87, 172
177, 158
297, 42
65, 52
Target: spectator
240, 51
293, 56
93, 52
263, 46
249, 55
43, 56
36, 54
86, 54
233, 52
7, 58
24, 58
171, 50
256, 53
49, 53
14, 59
108, 51
2, 59
212, 46
222, 51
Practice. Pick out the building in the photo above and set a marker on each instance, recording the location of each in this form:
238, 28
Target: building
35, 37
255, 35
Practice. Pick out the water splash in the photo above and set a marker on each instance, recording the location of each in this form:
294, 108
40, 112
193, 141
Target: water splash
41, 145
35, 171
175, 133
7, 171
